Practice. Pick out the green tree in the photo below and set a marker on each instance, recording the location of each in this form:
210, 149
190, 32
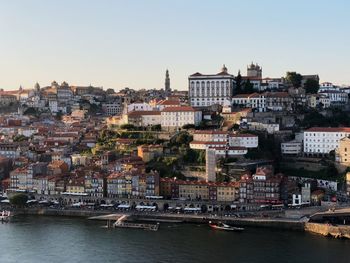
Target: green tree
128, 127
238, 80
294, 79
19, 200
188, 126
311, 86
248, 87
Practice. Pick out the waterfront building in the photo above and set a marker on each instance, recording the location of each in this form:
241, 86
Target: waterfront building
198, 190
95, 185
207, 90
261, 188
320, 141
75, 185
133, 183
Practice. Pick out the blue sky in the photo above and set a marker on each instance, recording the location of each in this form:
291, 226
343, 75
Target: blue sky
118, 44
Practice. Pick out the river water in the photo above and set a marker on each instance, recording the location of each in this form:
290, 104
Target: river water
60, 239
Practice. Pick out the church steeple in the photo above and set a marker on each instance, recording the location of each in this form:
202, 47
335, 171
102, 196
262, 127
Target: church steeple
167, 82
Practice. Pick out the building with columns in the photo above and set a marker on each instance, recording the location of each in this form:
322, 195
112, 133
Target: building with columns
207, 90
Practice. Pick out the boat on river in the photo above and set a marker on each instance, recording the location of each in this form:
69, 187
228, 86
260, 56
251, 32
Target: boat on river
225, 227
5, 216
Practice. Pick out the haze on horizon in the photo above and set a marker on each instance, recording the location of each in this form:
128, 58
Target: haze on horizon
117, 44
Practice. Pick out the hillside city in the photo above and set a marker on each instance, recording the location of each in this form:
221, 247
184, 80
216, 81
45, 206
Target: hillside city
239, 142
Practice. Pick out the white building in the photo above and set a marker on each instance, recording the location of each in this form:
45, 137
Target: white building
207, 90
319, 140
254, 100
291, 148
177, 117
336, 97
243, 140
210, 136
141, 106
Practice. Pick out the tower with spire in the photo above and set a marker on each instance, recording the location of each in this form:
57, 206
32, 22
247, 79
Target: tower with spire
167, 82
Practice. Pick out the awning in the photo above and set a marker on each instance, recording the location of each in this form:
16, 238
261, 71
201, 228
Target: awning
123, 206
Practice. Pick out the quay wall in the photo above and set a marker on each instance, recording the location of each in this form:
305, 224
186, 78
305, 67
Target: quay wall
328, 230
277, 223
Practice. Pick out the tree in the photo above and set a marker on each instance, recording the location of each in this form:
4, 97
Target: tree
110, 91
238, 80
294, 79
156, 127
248, 87
127, 127
30, 111
188, 126
19, 200
311, 86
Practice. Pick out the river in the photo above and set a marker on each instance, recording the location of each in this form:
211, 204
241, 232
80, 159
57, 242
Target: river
62, 239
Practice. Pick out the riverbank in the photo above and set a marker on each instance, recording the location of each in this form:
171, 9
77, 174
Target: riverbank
276, 223
328, 230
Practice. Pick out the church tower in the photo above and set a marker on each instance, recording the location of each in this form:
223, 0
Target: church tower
167, 82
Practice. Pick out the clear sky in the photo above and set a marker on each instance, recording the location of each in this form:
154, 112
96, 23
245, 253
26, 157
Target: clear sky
118, 44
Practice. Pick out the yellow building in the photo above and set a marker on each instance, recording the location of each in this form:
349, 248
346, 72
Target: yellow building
343, 152
194, 190
75, 186
149, 152
226, 193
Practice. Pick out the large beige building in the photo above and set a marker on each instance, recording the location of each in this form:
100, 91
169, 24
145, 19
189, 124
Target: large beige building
343, 152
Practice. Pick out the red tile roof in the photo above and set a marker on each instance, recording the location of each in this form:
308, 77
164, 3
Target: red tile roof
328, 129
179, 109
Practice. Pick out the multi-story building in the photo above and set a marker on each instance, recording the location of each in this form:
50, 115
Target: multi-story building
342, 153
261, 188
75, 185
336, 97
143, 118
113, 108
64, 93
198, 190
133, 183
348, 184
149, 152
278, 101
176, 117
95, 185
217, 139
321, 141
207, 90
255, 101
291, 148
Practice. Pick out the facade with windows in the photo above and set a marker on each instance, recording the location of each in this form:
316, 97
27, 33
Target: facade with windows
177, 117
319, 140
207, 90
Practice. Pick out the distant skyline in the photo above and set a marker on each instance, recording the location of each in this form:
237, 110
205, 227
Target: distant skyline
117, 44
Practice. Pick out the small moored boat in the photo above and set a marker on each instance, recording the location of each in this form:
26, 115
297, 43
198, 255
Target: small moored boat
222, 226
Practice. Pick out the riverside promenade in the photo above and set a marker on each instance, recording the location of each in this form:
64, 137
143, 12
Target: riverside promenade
275, 221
